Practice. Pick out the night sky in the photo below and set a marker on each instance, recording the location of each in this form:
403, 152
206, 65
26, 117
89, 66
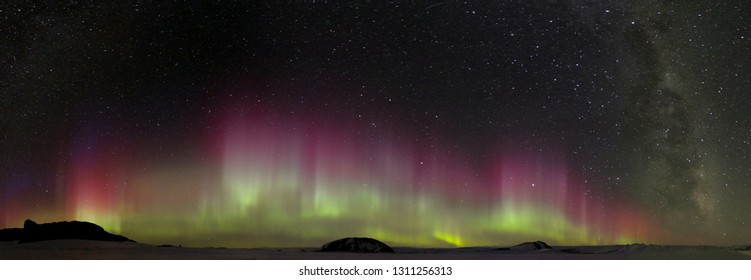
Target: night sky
434, 124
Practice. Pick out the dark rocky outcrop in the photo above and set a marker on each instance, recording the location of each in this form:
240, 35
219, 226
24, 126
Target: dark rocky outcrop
529, 246
10, 234
635, 248
357, 245
33, 232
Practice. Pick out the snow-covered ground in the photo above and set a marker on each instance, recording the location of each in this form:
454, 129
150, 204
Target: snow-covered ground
85, 249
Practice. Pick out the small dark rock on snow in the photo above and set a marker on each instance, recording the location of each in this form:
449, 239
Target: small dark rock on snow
357, 245
531, 246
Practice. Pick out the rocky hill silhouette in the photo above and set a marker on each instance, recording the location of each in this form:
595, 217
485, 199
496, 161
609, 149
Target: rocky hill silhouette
528, 246
10, 234
33, 232
357, 245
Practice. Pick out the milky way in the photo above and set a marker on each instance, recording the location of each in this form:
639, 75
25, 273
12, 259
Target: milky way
437, 125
